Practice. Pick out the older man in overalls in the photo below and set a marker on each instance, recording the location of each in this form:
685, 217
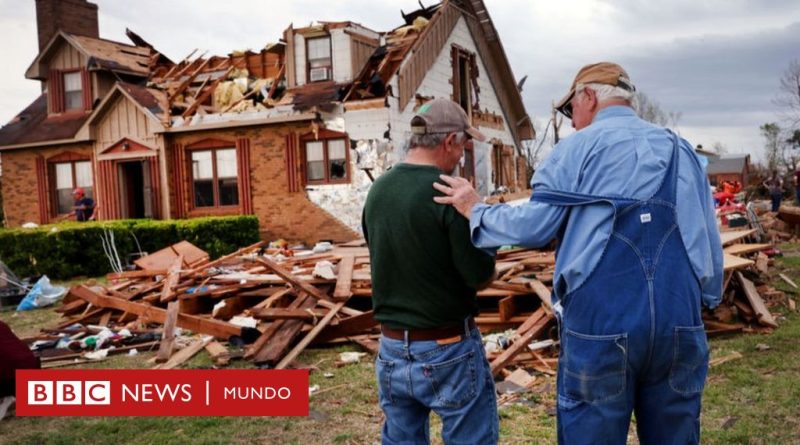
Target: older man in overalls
638, 254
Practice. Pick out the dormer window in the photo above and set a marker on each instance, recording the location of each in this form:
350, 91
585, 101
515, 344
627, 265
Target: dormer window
320, 64
73, 91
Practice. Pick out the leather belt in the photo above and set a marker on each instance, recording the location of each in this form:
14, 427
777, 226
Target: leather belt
428, 334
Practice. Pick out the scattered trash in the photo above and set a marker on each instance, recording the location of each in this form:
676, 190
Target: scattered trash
328, 375
763, 347
351, 357
41, 295
312, 389
324, 269
245, 322
97, 355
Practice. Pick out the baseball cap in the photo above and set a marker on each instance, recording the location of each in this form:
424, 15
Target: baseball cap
78, 191
443, 116
604, 72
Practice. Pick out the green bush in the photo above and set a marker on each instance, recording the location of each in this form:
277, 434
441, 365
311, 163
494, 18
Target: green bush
74, 249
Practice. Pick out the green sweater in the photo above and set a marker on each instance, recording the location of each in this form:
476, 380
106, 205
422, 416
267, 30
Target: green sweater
425, 270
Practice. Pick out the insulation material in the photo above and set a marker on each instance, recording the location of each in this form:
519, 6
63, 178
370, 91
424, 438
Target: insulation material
227, 93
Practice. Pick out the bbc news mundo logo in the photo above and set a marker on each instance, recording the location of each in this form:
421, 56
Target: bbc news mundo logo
73, 392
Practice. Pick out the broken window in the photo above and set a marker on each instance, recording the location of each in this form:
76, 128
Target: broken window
465, 78
466, 169
73, 91
319, 59
67, 176
326, 161
214, 178
503, 165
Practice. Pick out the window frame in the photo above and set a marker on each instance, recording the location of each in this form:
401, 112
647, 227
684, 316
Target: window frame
72, 159
468, 86
63, 80
325, 136
330, 57
212, 148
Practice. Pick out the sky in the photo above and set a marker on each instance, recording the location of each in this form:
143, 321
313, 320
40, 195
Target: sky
716, 62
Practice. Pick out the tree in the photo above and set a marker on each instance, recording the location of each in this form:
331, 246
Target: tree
772, 148
789, 95
650, 110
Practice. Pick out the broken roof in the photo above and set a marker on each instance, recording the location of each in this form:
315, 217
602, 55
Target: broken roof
100, 54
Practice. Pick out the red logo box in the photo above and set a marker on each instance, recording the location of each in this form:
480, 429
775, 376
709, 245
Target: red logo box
229, 392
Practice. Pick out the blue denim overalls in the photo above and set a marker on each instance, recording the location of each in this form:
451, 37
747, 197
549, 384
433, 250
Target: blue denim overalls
632, 336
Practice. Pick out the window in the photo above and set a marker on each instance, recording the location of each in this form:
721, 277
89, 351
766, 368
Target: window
465, 78
214, 177
318, 52
68, 177
466, 169
326, 161
73, 91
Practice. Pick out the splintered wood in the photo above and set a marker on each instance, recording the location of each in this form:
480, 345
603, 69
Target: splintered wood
277, 306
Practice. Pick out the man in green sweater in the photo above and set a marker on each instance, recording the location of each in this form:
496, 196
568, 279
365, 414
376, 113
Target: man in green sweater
425, 275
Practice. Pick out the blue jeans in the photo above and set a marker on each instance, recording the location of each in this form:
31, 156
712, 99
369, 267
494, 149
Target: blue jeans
453, 380
776, 201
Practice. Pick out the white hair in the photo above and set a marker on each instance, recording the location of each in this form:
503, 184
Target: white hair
431, 140
607, 92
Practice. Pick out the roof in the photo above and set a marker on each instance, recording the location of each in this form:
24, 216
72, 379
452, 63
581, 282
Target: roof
148, 98
32, 125
305, 97
727, 164
100, 54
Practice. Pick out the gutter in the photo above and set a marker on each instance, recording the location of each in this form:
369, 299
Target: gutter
248, 123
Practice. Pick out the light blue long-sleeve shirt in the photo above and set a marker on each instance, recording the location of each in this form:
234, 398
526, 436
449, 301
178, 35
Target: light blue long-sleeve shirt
617, 155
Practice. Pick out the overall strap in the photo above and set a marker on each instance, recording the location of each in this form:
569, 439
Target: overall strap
669, 185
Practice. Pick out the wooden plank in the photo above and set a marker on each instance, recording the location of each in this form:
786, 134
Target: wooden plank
788, 280
735, 235
344, 279
507, 308
349, 326
283, 338
762, 313
741, 249
104, 319
218, 353
290, 278
731, 262
174, 275
168, 334
544, 295
309, 337
521, 343
288, 314
133, 274
273, 327
185, 354
212, 327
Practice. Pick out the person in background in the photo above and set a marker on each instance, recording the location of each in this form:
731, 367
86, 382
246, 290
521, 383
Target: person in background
639, 253
796, 179
775, 187
83, 209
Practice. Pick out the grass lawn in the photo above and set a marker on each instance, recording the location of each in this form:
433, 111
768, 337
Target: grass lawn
752, 400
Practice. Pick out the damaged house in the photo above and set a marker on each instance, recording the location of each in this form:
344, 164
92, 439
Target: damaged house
294, 133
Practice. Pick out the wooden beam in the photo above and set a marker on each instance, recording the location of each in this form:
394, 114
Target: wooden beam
348, 327
149, 273
289, 314
507, 308
289, 330
206, 94
542, 319
309, 337
168, 334
227, 257
344, 278
273, 327
762, 313
174, 275
296, 282
212, 327
185, 354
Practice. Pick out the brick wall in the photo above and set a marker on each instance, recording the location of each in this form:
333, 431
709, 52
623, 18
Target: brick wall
71, 16
283, 214
20, 189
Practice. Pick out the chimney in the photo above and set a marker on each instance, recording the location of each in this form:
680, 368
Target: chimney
71, 16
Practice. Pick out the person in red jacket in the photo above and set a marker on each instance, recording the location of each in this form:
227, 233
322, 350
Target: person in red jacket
15, 355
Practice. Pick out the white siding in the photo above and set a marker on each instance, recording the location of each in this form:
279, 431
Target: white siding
367, 124
437, 84
299, 59
340, 52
